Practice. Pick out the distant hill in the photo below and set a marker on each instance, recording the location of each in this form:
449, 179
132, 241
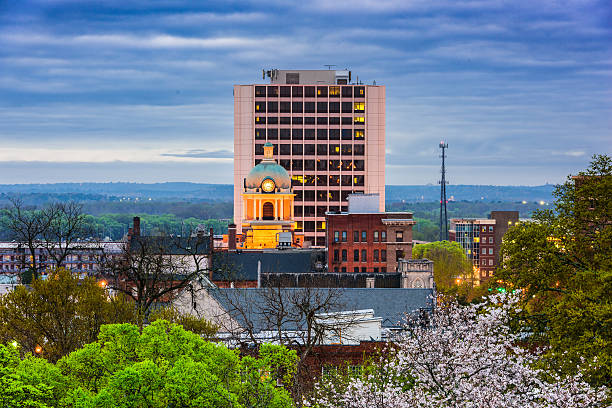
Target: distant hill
197, 192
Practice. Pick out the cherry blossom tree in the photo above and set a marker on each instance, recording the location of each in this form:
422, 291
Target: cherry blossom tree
461, 356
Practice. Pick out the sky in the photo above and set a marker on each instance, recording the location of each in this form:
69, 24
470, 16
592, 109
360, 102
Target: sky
141, 91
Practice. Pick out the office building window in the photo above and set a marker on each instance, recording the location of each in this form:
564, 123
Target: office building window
347, 91
309, 91
321, 91
334, 91
297, 91
285, 91
260, 91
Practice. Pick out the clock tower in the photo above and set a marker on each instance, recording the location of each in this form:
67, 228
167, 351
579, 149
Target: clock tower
267, 206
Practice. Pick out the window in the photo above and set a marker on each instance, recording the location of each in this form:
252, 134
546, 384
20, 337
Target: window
336, 255
364, 236
322, 120
321, 134
356, 255
285, 149
297, 107
296, 90
309, 149
383, 236
334, 120
490, 262
260, 134
343, 236
334, 150
344, 269
399, 254
285, 107
309, 107
347, 120
273, 120
484, 251
383, 256
364, 255
490, 228
375, 270
356, 269
358, 180
334, 91
359, 134
309, 120
490, 240
490, 251
309, 195
285, 134
359, 120
297, 164
272, 107
260, 91
322, 164
296, 134
355, 236
347, 149
359, 107
272, 91
334, 134
260, 120
322, 107
336, 270
399, 236
347, 91
375, 236
309, 91
285, 91
344, 255
322, 149
334, 107
375, 255
309, 134
260, 107
347, 134
359, 91
347, 107
321, 91
297, 149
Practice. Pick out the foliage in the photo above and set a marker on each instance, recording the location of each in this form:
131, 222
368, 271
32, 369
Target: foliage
562, 262
59, 314
462, 356
162, 366
198, 325
453, 272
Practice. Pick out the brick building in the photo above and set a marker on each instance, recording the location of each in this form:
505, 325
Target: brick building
365, 240
328, 133
481, 239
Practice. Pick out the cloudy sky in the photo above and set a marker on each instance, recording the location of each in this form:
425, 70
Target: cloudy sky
142, 90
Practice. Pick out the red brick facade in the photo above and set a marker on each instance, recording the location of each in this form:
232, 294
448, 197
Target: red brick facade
370, 243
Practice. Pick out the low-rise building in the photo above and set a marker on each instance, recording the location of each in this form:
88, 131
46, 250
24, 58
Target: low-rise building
365, 240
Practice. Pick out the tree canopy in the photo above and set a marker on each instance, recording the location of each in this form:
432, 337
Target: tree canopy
562, 263
162, 366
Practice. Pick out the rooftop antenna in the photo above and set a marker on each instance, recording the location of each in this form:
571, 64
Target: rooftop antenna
443, 183
329, 66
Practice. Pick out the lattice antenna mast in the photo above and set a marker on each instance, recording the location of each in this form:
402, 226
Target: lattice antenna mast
443, 183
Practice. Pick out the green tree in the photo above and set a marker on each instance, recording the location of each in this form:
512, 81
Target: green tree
562, 263
452, 270
56, 316
198, 325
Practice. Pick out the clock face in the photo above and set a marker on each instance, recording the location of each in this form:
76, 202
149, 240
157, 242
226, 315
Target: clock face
268, 185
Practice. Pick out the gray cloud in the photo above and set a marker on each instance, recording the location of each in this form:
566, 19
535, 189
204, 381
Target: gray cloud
197, 153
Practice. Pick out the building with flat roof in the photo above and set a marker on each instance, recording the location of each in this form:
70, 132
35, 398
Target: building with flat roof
366, 240
328, 132
481, 239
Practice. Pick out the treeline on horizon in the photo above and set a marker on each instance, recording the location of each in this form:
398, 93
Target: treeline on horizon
113, 218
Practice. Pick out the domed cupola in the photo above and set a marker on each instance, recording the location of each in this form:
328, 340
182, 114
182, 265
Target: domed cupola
268, 175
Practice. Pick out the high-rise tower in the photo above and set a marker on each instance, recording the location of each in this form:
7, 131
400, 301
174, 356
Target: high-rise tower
328, 133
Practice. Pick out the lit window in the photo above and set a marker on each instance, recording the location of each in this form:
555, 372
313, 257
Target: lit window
359, 107
490, 251
477, 239
490, 228
484, 251
359, 119
490, 262
334, 91
359, 134
336, 236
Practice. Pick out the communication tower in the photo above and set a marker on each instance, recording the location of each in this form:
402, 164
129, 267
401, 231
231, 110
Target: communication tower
443, 183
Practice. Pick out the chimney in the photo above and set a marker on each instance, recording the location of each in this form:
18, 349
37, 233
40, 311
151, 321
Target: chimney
231, 237
136, 226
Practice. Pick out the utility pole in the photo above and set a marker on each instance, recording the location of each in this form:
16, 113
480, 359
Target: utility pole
443, 182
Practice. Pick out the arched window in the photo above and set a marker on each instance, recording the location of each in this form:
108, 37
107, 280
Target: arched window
418, 283
268, 211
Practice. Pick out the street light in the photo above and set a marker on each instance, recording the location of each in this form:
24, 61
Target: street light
103, 284
38, 349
